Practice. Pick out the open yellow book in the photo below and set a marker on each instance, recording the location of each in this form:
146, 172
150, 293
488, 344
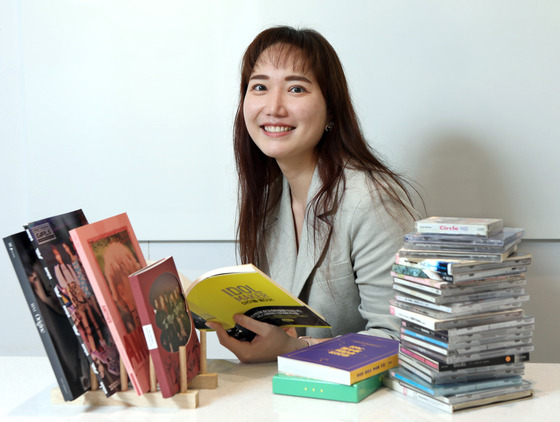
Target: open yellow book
244, 289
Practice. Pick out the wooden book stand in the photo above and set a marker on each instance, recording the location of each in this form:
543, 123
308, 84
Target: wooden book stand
187, 398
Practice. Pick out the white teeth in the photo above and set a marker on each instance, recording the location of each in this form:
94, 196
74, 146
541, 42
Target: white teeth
277, 129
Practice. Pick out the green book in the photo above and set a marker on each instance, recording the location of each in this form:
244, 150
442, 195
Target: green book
307, 387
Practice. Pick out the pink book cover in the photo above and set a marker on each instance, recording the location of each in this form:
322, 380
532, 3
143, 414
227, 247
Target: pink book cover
110, 252
166, 322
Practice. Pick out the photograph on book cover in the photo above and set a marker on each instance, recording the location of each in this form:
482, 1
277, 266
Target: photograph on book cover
166, 322
110, 252
117, 260
68, 279
63, 349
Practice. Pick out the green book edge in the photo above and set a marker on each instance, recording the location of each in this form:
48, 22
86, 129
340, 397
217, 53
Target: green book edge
317, 389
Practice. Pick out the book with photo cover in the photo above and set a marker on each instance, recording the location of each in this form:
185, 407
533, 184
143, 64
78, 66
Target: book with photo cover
62, 347
346, 359
110, 252
166, 323
63, 268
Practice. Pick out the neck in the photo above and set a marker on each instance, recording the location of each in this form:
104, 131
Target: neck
299, 179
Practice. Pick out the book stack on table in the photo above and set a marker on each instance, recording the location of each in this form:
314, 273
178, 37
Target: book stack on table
459, 290
347, 368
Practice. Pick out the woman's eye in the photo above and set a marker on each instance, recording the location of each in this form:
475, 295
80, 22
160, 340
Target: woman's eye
297, 89
258, 87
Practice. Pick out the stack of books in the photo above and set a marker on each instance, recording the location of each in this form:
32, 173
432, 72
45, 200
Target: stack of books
347, 368
459, 290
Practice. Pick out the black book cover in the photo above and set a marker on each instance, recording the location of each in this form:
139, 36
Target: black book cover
62, 267
65, 354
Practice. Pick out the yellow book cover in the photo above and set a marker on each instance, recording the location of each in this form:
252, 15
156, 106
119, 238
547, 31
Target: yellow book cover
244, 289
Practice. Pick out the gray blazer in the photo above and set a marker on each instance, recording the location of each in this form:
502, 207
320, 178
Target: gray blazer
346, 277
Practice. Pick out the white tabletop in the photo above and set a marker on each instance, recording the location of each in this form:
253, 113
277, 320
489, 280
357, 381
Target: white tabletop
245, 394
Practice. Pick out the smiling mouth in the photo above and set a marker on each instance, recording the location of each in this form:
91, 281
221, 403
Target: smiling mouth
278, 129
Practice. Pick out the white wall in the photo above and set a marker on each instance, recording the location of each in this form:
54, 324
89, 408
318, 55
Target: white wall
138, 96
125, 105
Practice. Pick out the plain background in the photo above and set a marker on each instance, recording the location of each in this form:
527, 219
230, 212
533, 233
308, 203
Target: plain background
127, 106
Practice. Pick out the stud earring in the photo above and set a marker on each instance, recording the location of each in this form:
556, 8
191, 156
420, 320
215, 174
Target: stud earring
329, 126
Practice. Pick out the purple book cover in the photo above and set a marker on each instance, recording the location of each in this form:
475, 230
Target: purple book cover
348, 352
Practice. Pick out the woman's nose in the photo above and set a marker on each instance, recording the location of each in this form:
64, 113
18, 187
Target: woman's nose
275, 104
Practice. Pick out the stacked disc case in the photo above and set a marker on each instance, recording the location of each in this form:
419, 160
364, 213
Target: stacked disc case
465, 337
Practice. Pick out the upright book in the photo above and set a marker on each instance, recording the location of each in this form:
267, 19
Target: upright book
110, 252
166, 322
62, 267
63, 349
244, 289
460, 226
344, 360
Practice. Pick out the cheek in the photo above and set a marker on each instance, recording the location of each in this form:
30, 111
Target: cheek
249, 117
250, 107
316, 118
249, 113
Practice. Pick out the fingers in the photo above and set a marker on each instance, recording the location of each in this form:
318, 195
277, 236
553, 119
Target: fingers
257, 327
222, 335
291, 331
269, 342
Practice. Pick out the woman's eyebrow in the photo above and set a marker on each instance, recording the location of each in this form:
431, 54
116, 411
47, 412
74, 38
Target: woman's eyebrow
291, 78
259, 77
298, 78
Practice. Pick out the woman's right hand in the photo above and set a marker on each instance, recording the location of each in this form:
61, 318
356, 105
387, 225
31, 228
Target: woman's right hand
269, 342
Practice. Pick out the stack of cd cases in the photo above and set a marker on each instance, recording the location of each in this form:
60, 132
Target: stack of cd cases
464, 335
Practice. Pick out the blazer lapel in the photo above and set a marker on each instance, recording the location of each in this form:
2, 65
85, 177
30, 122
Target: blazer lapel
288, 266
312, 243
281, 248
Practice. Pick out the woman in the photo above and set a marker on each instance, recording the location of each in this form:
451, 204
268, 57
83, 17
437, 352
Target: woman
319, 212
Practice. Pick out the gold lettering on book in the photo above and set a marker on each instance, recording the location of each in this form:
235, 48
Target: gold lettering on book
347, 351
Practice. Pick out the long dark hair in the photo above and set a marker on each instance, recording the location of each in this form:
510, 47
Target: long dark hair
344, 146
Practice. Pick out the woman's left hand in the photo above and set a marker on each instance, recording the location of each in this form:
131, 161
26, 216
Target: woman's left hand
269, 342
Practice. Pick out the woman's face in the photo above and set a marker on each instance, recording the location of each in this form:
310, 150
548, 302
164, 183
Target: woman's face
285, 111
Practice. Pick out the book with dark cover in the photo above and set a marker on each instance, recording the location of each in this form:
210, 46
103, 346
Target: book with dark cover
64, 270
344, 360
110, 252
317, 389
166, 322
63, 349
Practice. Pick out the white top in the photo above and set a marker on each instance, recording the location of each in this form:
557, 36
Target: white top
244, 393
